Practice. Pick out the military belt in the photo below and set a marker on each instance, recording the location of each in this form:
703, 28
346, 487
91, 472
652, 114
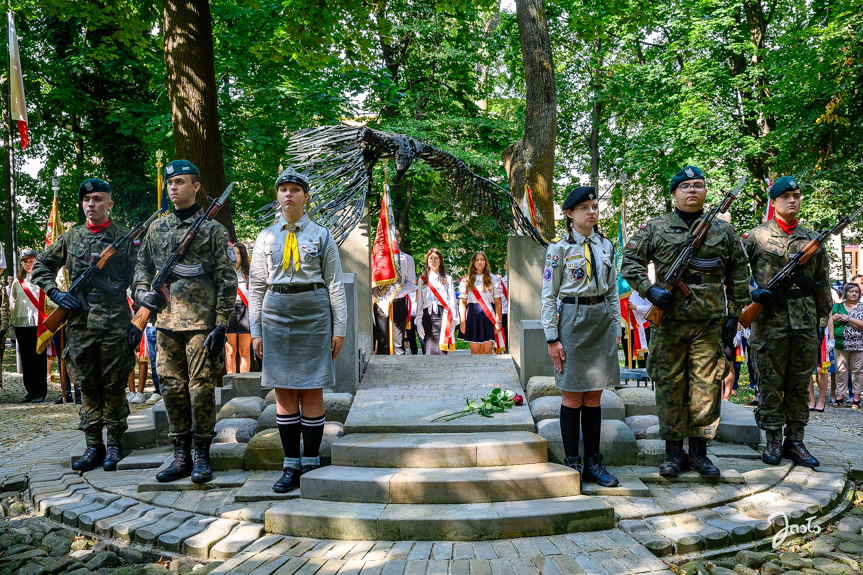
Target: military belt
96, 297
584, 300
796, 293
698, 279
290, 289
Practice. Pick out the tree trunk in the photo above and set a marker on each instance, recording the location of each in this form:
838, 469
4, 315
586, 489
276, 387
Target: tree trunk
595, 112
531, 159
191, 79
9, 205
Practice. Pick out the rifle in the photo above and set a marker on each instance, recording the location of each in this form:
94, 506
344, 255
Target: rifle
791, 270
88, 277
674, 277
160, 282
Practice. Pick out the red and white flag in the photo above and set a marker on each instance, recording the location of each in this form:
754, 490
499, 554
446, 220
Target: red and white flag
770, 209
17, 105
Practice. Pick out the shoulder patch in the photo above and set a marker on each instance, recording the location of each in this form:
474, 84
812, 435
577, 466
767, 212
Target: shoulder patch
642, 226
136, 242
746, 235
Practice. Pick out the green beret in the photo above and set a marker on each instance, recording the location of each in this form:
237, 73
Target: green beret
782, 185
578, 195
92, 185
687, 173
178, 167
291, 175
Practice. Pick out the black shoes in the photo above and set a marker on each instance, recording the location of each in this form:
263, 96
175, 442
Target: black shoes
797, 452
698, 460
306, 468
202, 470
289, 481
112, 456
595, 472
182, 464
772, 454
59, 400
674, 459
93, 456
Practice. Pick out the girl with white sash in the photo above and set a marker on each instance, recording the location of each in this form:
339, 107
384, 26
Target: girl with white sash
436, 305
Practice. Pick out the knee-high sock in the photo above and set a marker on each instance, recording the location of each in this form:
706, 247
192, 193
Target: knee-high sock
313, 433
569, 421
591, 424
289, 432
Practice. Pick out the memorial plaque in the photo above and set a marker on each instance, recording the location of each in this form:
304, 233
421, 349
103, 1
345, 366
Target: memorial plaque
402, 394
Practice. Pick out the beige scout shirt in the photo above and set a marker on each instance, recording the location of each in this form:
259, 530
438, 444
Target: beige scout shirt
566, 275
319, 263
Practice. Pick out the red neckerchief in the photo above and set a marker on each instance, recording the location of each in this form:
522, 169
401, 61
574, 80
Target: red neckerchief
98, 227
787, 228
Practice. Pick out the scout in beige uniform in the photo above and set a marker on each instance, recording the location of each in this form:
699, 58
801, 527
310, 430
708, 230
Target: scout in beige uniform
582, 342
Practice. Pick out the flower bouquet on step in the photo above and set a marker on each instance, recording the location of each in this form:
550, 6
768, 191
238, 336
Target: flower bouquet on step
497, 401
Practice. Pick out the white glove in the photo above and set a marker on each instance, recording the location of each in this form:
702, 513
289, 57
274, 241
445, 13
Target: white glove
831, 344
746, 332
737, 339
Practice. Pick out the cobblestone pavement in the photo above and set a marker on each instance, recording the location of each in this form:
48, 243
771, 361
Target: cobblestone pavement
214, 524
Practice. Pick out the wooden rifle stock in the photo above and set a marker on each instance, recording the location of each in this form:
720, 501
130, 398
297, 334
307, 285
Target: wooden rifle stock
654, 315
749, 314
142, 316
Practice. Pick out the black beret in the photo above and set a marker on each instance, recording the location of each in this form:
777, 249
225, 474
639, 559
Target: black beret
291, 175
687, 173
178, 167
578, 195
92, 185
782, 185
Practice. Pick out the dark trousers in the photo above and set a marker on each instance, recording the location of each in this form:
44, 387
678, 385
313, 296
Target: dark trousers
504, 320
35, 365
382, 326
411, 336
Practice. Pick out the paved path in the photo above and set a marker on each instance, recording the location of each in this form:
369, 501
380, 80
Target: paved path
680, 519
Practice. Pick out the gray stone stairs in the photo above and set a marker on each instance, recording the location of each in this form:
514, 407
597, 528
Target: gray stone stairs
439, 486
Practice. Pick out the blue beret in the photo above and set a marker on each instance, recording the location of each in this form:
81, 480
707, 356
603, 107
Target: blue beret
92, 185
578, 195
178, 167
291, 175
687, 173
782, 185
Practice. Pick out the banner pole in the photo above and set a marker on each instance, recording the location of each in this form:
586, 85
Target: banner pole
392, 351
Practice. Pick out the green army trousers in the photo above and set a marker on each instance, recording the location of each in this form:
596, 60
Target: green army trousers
187, 380
99, 362
687, 366
784, 363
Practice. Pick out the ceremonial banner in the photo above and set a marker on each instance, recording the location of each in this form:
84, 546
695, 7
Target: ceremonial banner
386, 269
529, 205
54, 230
17, 105
769, 215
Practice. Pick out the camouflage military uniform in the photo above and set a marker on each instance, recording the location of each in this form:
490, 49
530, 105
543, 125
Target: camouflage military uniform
784, 342
203, 290
685, 358
97, 356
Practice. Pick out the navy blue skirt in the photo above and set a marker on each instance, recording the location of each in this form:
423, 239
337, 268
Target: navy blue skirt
478, 328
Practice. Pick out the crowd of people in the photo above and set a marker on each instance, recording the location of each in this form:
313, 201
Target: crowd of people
286, 307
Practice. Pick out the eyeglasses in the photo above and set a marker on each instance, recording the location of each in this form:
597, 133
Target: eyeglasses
434, 259
697, 187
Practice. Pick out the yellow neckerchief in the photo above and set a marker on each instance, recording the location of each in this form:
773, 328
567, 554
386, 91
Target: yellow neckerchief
292, 248
588, 258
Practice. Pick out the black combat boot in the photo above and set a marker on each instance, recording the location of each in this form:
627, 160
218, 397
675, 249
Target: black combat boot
182, 464
289, 481
698, 460
595, 472
203, 470
674, 461
92, 458
112, 457
797, 452
772, 454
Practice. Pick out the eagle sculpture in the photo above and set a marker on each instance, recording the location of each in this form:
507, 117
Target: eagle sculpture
339, 160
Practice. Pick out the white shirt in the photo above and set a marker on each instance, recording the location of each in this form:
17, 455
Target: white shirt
23, 312
504, 299
488, 296
242, 286
409, 275
427, 302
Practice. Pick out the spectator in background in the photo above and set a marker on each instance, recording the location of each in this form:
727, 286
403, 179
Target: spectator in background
25, 319
411, 329
239, 342
4, 318
150, 335
399, 308
826, 366
504, 301
849, 358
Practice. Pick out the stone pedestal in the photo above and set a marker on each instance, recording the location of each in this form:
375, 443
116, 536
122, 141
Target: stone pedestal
349, 361
533, 348
526, 261
355, 254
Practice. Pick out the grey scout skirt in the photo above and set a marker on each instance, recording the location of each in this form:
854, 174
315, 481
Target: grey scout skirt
297, 330
589, 341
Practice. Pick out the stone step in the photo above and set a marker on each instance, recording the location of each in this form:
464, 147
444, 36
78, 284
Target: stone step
447, 485
399, 450
430, 522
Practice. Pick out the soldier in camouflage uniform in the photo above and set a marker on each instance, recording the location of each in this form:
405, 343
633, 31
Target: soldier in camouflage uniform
686, 359
97, 357
191, 329
787, 334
